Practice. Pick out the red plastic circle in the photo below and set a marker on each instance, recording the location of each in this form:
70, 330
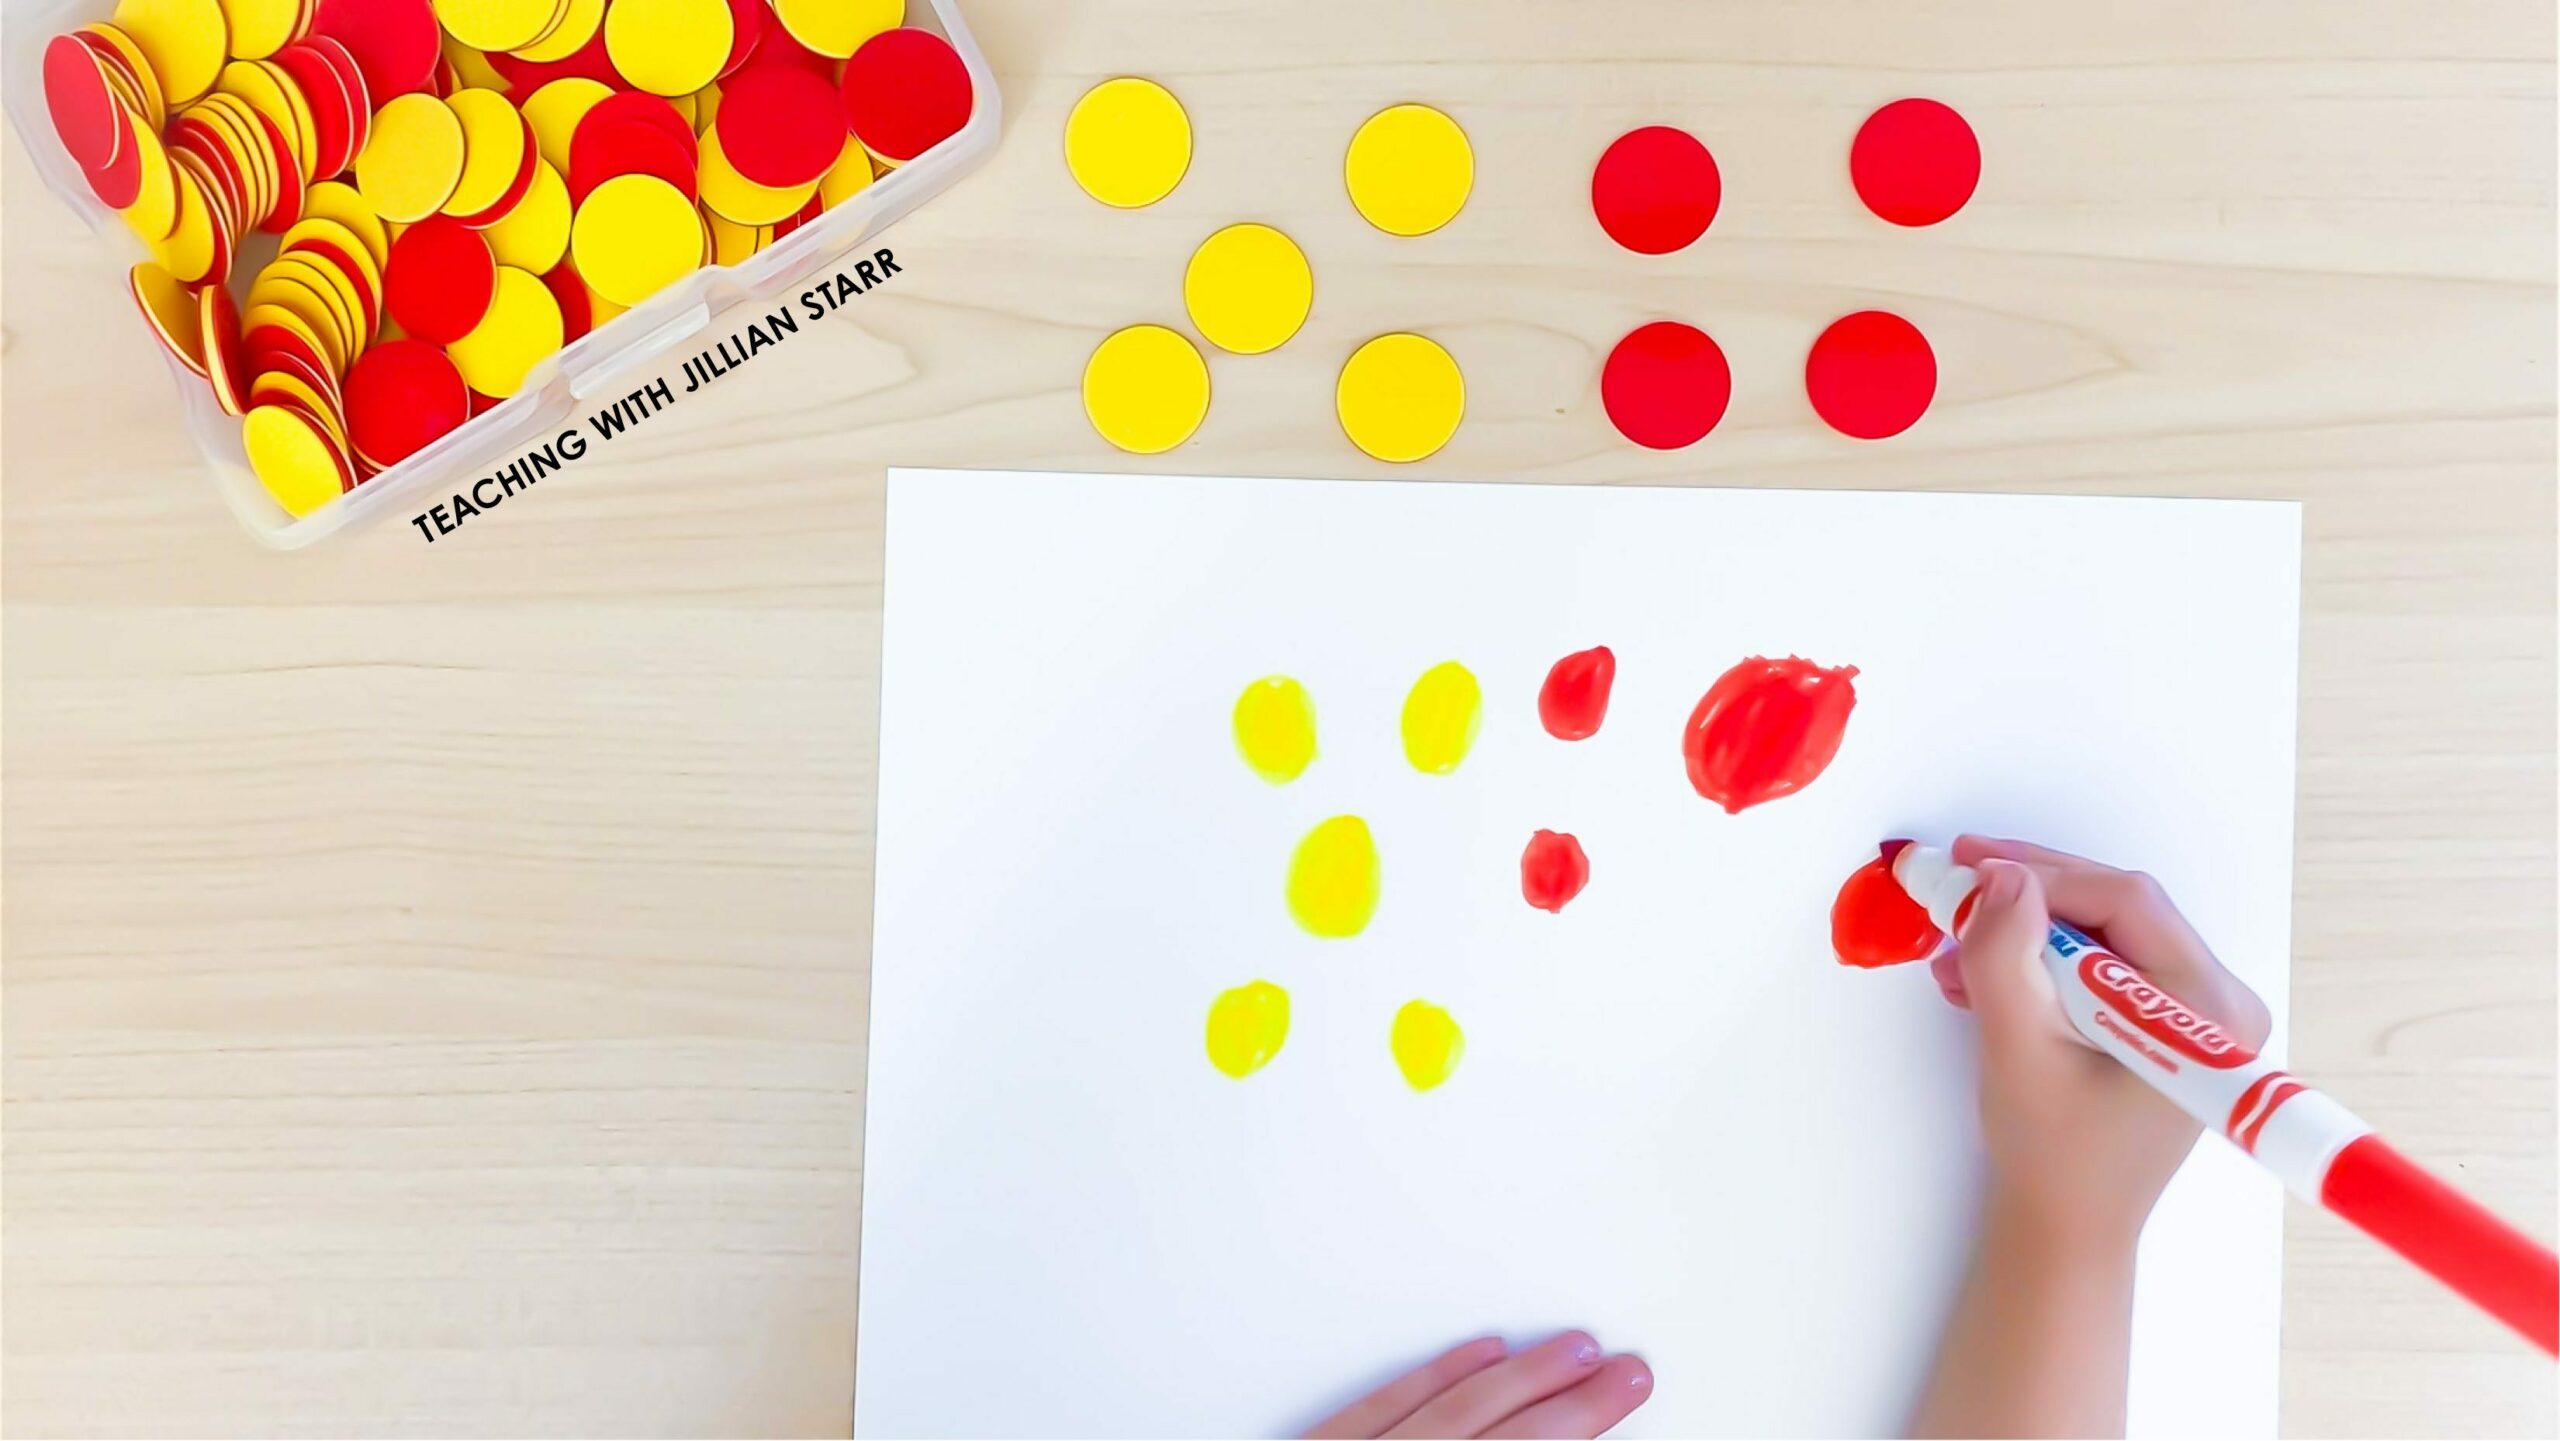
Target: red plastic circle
86, 113
401, 396
905, 91
1915, 162
397, 43
1666, 385
1656, 189
1871, 374
781, 126
441, 279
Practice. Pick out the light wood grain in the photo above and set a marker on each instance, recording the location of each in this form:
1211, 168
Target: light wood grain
436, 975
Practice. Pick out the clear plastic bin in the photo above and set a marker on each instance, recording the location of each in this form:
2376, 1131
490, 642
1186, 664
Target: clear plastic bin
556, 393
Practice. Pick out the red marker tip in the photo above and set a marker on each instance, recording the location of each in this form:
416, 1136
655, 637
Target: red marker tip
1892, 848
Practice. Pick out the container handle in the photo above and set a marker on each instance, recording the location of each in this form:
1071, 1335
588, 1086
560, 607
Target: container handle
683, 326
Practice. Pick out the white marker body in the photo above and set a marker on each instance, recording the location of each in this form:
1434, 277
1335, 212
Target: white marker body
2292, 1130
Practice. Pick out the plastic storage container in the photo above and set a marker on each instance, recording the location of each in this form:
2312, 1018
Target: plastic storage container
556, 393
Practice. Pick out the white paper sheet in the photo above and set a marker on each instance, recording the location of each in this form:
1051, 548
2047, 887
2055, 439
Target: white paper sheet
1677, 1123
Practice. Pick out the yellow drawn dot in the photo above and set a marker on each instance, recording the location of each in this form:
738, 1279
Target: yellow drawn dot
1128, 142
1333, 878
1146, 389
1441, 714
1409, 169
1400, 397
1248, 288
1275, 724
1427, 1044
1247, 1026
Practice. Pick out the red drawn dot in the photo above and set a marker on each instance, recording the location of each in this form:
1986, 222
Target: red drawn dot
1575, 698
1915, 162
1766, 729
904, 91
1871, 375
441, 279
402, 395
1665, 385
1553, 870
782, 126
1656, 189
1874, 922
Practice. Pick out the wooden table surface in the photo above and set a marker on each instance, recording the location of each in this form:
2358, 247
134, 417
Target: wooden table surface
436, 979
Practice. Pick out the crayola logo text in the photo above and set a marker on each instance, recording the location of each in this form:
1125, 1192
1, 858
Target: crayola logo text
2161, 1016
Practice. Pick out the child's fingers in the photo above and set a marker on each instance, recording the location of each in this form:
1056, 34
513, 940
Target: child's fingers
1999, 958
1372, 1414
1587, 1408
1944, 969
1495, 1392
2139, 923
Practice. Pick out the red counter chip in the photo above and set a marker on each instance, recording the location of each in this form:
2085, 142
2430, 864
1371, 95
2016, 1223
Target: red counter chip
397, 43
1656, 189
290, 189
401, 397
118, 183
441, 279
353, 271
781, 126
361, 101
86, 113
577, 316
1871, 374
748, 21
780, 47
905, 91
1915, 162
333, 137
590, 61
634, 133
225, 359
1666, 385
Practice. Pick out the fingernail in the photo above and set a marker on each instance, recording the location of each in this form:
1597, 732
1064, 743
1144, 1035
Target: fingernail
1640, 1380
1586, 1352
2001, 882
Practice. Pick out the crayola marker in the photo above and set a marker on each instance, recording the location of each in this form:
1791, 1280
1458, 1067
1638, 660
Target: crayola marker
2317, 1147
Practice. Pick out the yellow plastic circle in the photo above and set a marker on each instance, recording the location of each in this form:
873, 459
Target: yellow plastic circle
733, 195
260, 28
186, 42
837, 28
413, 159
555, 110
172, 311
668, 47
1248, 288
1128, 142
535, 234
333, 200
296, 462
496, 24
732, 243
1409, 169
847, 178
493, 140
578, 25
521, 330
634, 236
1400, 397
471, 68
187, 250
1146, 389
154, 211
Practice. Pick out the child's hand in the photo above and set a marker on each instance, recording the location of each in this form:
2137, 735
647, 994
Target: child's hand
1563, 1386
2077, 1143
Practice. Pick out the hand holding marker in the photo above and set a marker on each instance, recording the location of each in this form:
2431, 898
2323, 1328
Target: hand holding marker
2321, 1152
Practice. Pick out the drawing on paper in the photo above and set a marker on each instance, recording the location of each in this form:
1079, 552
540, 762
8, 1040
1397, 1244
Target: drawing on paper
1766, 729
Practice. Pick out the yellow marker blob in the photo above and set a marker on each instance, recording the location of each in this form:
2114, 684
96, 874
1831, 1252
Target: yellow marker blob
1275, 724
1146, 389
1247, 1027
413, 158
1248, 288
1400, 398
1409, 169
1441, 714
1128, 142
1333, 878
1427, 1044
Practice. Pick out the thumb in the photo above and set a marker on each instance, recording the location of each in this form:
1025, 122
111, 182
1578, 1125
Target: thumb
2001, 956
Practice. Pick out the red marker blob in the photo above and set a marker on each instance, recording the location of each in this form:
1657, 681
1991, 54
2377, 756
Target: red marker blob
1575, 698
1656, 189
1871, 375
1553, 870
1766, 729
1874, 922
1915, 162
1666, 385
